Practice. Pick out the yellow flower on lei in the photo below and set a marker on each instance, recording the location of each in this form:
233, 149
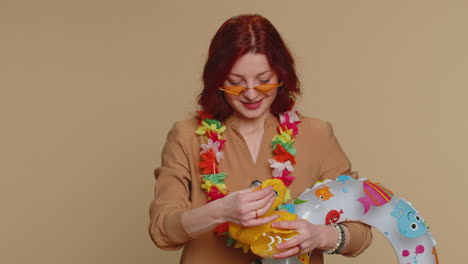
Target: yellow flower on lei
207, 186
285, 136
205, 127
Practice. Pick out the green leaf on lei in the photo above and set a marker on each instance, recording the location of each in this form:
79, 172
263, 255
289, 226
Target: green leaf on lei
215, 178
230, 242
287, 146
213, 122
299, 201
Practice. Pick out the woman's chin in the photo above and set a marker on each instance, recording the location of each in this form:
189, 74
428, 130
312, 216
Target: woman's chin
252, 114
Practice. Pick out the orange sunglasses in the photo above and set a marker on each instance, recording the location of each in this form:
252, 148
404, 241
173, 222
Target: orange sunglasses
238, 89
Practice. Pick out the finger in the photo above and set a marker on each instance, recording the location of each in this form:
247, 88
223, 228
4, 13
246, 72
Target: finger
250, 190
259, 204
264, 209
293, 242
261, 220
289, 225
260, 194
287, 253
257, 209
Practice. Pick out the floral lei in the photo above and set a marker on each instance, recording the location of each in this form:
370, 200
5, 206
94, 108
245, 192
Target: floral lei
212, 152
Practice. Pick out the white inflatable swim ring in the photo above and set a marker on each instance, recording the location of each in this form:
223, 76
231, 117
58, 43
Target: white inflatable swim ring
348, 199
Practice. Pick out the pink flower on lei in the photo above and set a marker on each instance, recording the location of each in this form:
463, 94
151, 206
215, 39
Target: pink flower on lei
289, 121
290, 117
279, 167
216, 138
215, 146
286, 180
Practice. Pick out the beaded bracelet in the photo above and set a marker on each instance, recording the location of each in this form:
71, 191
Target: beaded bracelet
340, 241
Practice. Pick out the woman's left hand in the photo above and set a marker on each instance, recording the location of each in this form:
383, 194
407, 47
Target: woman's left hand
309, 237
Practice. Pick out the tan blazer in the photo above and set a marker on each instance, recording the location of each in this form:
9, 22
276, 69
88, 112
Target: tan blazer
178, 181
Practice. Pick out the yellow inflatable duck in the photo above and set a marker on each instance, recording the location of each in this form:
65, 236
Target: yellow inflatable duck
262, 240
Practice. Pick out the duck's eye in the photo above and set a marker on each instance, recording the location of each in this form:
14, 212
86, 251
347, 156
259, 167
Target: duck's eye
255, 184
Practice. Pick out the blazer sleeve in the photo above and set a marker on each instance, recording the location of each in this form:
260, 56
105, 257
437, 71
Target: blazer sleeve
333, 164
171, 194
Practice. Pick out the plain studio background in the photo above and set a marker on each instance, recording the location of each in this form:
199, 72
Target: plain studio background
89, 90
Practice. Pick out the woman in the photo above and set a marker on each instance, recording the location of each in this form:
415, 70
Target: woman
249, 83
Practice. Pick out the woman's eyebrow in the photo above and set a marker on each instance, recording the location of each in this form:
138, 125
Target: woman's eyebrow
267, 71
241, 76
237, 75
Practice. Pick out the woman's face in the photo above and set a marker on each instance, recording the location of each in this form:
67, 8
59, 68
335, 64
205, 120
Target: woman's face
251, 70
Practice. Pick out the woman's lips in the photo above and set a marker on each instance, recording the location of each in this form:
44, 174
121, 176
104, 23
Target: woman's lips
252, 105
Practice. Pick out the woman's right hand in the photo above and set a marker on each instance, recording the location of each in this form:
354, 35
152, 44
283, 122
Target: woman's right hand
246, 207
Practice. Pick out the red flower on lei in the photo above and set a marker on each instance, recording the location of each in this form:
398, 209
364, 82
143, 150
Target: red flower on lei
283, 155
222, 228
208, 163
214, 194
202, 115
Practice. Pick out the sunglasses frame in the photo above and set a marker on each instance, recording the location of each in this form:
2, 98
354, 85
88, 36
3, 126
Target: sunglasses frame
228, 89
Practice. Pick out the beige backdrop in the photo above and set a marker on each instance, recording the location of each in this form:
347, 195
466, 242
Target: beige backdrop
89, 90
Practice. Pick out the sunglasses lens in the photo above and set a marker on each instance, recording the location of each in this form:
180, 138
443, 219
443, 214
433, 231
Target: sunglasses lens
236, 89
266, 87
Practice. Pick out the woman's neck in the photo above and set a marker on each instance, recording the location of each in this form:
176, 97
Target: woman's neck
249, 126
252, 131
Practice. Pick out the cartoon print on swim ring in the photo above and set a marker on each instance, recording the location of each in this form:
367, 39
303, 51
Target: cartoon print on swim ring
365, 201
332, 217
409, 223
323, 193
375, 195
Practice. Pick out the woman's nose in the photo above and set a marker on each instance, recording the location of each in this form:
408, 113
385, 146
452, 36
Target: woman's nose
251, 93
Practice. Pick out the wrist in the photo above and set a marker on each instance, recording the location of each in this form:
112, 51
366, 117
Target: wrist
199, 220
330, 238
340, 240
218, 210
